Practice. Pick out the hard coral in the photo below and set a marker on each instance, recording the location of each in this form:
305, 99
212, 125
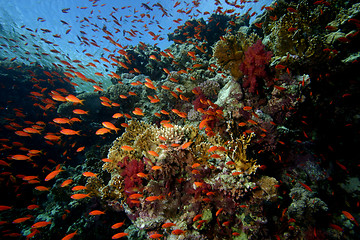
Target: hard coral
229, 52
253, 66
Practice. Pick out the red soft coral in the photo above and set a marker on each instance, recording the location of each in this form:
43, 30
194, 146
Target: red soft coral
132, 183
253, 66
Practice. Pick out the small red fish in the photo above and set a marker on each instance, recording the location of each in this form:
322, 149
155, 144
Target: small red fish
117, 225
96, 212
119, 235
306, 186
177, 232
168, 224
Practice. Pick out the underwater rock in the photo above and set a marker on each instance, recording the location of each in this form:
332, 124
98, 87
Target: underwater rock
352, 186
305, 205
268, 190
231, 90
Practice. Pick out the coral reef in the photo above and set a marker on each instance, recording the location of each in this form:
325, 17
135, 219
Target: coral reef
175, 174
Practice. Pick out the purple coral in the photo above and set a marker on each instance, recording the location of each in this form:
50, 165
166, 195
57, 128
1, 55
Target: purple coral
253, 66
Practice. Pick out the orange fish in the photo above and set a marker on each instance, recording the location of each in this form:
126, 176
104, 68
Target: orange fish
197, 217
150, 85
168, 125
195, 165
186, 145
89, 174
177, 232
80, 196
20, 220
162, 138
153, 153
213, 148
127, 148
152, 198
40, 224
236, 173
80, 111
138, 112
32, 207
279, 88
218, 211
119, 235
106, 104
118, 225
252, 122
96, 212
156, 235
106, 160
53, 174
166, 70
306, 186
66, 183
168, 224
174, 94
69, 236
3, 207
153, 57
142, 175
42, 188
61, 120
102, 131
111, 126
350, 217
98, 88
78, 188
135, 196
198, 184
69, 132
73, 99
117, 115
20, 157
156, 167
164, 112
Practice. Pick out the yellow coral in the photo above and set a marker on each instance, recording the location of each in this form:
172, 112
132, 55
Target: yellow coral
292, 34
267, 188
229, 52
237, 153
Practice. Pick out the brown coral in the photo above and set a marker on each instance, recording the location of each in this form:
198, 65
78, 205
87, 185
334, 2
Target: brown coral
229, 52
